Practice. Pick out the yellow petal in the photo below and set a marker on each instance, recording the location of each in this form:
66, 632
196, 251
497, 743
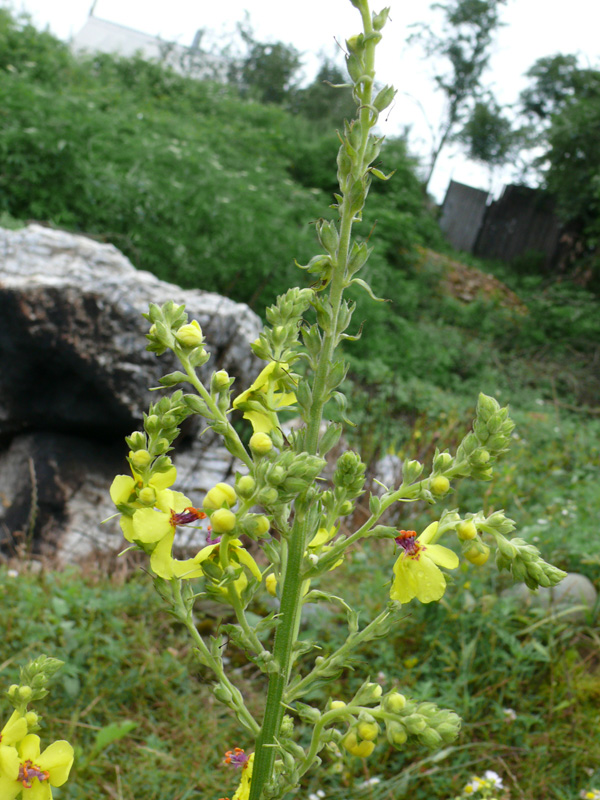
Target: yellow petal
58, 760
9, 762
121, 489
150, 526
162, 480
442, 555
403, 587
246, 559
428, 534
9, 788
15, 729
161, 560
126, 524
169, 501
429, 580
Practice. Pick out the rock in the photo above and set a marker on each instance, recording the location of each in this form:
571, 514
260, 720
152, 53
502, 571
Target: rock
72, 336
574, 591
76, 379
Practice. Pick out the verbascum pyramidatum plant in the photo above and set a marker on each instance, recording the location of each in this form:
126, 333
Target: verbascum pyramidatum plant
279, 501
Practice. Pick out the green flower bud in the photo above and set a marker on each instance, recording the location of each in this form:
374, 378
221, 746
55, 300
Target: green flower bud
346, 508
162, 445
442, 461
261, 443
256, 525
220, 495
245, 486
152, 423
223, 520
368, 693
439, 485
190, 335
396, 733
32, 720
25, 693
384, 98
147, 496
430, 738
337, 704
415, 723
140, 459
368, 730
220, 381
394, 702
222, 693
478, 554
466, 530
287, 726
411, 471
276, 475
356, 748
137, 441
267, 497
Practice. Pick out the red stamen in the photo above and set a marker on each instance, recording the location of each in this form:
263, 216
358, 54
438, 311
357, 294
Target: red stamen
237, 758
28, 771
407, 541
186, 516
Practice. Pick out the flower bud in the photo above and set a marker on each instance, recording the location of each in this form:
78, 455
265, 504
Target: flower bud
466, 530
268, 496
147, 496
245, 486
442, 461
137, 441
368, 693
430, 738
411, 470
190, 335
223, 520
222, 693
276, 476
261, 443
32, 719
140, 459
368, 730
394, 702
415, 723
396, 733
25, 693
478, 554
346, 508
256, 525
356, 748
439, 485
220, 495
271, 584
220, 381
337, 704
152, 423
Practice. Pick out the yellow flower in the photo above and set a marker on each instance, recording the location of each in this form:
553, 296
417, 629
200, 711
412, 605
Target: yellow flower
122, 490
14, 730
416, 572
247, 765
265, 397
36, 772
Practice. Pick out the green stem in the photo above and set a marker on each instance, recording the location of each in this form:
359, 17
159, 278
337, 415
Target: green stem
291, 598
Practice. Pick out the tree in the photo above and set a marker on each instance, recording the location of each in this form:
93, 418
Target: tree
562, 107
463, 42
487, 135
323, 104
267, 70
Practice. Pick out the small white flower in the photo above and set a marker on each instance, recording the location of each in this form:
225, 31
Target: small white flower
494, 779
13, 573
510, 714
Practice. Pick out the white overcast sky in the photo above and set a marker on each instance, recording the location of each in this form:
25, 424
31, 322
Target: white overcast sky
534, 28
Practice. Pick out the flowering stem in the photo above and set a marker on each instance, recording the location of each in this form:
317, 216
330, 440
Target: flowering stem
366, 634
236, 447
237, 700
291, 598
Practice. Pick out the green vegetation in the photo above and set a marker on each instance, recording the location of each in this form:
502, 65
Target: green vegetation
166, 168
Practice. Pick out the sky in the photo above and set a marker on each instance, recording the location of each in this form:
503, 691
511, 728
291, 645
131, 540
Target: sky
532, 29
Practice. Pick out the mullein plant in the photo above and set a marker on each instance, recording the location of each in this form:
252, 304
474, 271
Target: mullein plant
293, 518
27, 770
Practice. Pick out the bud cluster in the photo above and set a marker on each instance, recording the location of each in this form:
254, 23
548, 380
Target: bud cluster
170, 330
279, 342
526, 564
431, 725
488, 440
34, 679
